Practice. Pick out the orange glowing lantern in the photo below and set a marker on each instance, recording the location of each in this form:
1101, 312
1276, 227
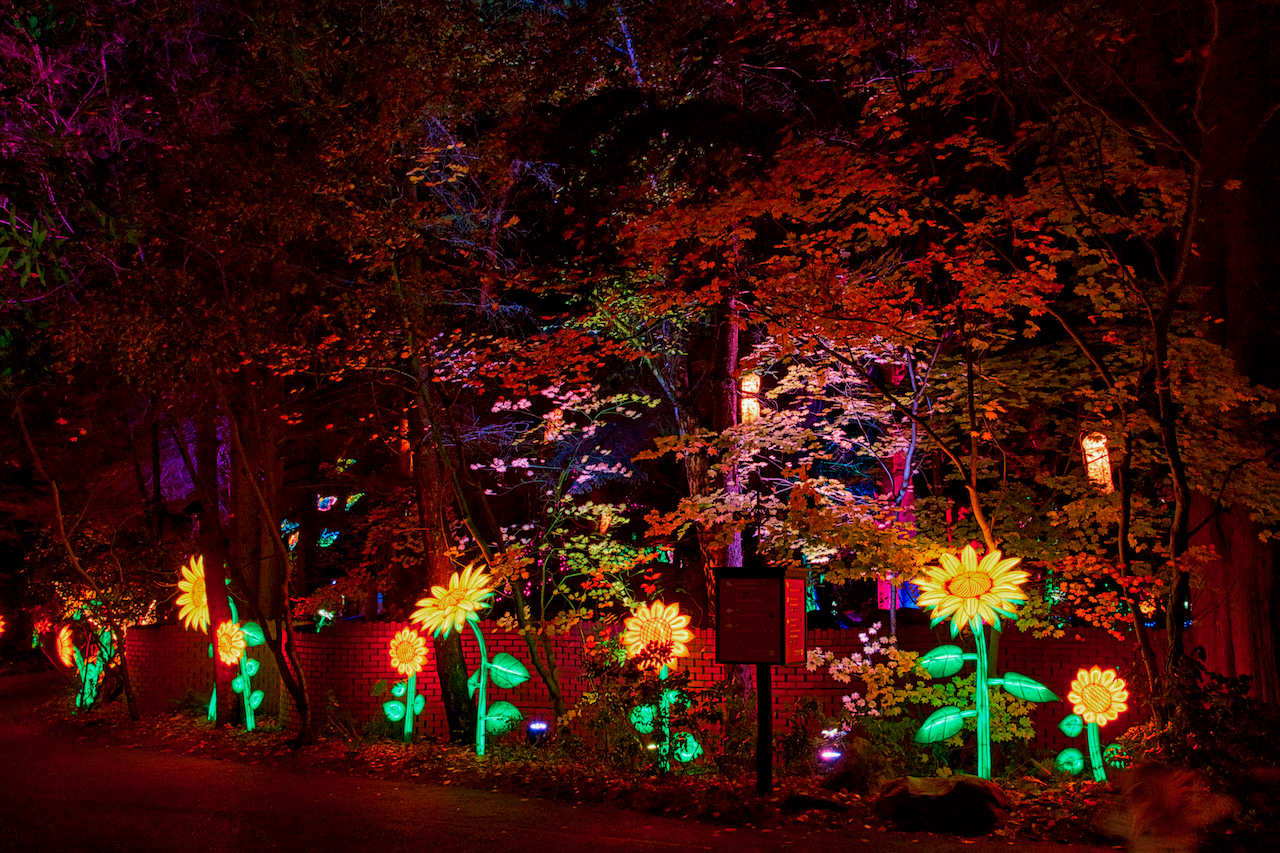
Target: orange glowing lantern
749, 405
1097, 461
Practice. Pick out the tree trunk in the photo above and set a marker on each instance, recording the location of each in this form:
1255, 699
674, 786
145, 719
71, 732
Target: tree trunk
214, 548
451, 667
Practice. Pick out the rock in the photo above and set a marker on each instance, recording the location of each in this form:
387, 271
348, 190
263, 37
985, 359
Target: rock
860, 770
959, 805
804, 802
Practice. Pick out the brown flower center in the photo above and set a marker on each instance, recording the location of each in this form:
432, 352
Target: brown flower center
405, 651
656, 632
198, 598
1095, 698
452, 598
969, 584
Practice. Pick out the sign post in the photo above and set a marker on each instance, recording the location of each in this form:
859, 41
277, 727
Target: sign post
760, 617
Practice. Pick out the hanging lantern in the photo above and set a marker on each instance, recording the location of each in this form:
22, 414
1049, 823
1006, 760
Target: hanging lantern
1097, 462
749, 404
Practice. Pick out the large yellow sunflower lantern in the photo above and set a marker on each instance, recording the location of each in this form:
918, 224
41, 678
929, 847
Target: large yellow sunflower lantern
967, 590
449, 609
193, 599
657, 634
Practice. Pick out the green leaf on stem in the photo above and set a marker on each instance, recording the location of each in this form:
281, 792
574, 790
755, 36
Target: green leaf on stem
506, 671
943, 661
394, 710
1027, 688
501, 718
942, 724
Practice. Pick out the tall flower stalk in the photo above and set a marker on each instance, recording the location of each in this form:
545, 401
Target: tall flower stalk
1097, 697
973, 594
655, 636
408, 654
447, 609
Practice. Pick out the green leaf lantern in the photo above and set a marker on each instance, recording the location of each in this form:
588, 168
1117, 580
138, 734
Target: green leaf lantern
942, 724
943, 662
1026, 688
502, 718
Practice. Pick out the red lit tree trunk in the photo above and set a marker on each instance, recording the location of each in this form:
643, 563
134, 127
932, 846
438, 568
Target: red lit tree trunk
451, 667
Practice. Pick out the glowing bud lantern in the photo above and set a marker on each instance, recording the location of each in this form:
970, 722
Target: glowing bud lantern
655, 636
973, 594
449, 608
1097, 696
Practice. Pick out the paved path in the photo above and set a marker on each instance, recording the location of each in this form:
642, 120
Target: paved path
79, 795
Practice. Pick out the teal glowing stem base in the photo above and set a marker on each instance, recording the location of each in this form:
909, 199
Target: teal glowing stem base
664, 720
1095, 753
482, 698
410, 697
982, 699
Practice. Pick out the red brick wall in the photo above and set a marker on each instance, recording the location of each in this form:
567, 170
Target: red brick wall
165, 661
344, 662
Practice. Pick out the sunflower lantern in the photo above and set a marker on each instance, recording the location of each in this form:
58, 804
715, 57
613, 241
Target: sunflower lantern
1097, 696
408, 653
973, 593
448, 609
655, 636
230, 639
89, 665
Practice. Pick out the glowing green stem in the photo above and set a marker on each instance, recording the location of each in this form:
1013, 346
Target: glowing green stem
244, 674
664, 720
410, 699
482, 697
983, 700
1095, 753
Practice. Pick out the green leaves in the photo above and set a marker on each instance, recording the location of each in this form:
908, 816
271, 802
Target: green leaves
1027, 688
506, 671
251, 667
642, 718
943, 661
686, 747
399, 689
419, 703
473, 683
942, 724
394, 710
1072, 725
255, 699
238, 684
1070, 760
253, 635
501, 718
